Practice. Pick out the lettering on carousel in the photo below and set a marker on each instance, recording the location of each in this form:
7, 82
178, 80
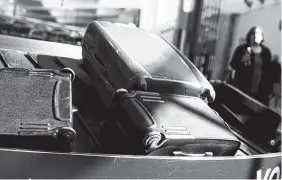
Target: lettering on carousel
274, 173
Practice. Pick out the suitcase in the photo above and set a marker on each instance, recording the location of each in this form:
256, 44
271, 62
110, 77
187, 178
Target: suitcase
246, 114
169, 124
36, 109
119, 56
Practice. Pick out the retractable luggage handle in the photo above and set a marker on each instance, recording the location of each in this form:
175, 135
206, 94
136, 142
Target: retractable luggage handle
69, 71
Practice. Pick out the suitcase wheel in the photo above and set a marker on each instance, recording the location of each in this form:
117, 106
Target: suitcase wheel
69, 71
66, 134
153, 141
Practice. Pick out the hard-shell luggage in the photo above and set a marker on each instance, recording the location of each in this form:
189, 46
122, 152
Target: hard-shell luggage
161, 94
125, 57
36, 109
244, 112
157, 123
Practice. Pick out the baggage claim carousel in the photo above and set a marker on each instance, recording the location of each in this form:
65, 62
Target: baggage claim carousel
85, 161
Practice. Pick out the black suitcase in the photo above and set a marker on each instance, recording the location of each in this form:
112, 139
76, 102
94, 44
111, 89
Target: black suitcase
118, 56
247, 114
121, 57
36, 109
167, 124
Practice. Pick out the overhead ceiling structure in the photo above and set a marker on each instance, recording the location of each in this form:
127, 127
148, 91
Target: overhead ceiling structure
241, 6
81, 12
26, 8
73, 12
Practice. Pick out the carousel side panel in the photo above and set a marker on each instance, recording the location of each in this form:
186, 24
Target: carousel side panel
20, 164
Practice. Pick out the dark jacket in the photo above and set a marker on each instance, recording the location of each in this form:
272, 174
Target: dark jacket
244, 74
276, 72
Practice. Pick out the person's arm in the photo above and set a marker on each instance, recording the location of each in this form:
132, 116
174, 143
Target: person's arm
270, 73
233, 66
234, 61
270, 65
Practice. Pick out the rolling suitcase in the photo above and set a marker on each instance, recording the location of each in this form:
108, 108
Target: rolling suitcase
169, 124
119, 56
36, 109
138, 75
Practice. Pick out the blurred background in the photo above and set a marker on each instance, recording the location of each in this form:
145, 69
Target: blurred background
206, 31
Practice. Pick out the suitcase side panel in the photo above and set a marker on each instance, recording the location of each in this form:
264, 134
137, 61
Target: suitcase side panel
99, 82
98, 44
126, 67
161, 120
41, 113
148, 52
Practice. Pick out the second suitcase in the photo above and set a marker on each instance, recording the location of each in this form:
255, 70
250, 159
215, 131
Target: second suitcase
36, 109
185, 125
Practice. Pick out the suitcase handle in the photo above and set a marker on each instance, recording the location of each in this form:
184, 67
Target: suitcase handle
69, 71
180, 153
62, 101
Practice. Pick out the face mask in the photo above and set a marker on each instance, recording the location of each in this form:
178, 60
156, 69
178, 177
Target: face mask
258, 36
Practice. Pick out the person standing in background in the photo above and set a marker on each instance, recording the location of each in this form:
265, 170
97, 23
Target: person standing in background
251, 64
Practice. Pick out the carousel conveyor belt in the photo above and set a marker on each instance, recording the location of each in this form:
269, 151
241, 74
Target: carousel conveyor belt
40, 47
